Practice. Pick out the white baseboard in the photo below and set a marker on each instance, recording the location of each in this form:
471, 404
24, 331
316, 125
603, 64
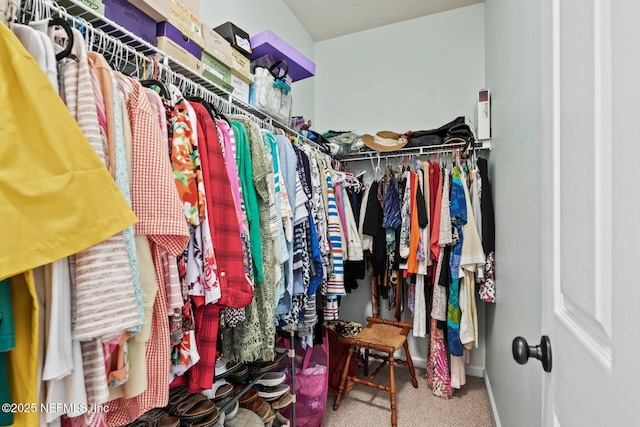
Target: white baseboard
471, 370
492, 401
474, 371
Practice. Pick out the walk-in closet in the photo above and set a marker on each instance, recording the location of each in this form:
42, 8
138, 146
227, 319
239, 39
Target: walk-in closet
287, 213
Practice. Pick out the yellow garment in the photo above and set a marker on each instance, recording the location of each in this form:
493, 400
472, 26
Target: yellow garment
22, 361
56, 196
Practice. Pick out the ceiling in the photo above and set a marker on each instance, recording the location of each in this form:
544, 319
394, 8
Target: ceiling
327, 19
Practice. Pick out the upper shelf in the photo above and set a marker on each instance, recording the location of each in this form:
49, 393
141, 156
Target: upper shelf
81, 12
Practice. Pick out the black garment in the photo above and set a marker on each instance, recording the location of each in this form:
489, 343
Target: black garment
373, 227
486, 207
445, 273
423, 219
355, 198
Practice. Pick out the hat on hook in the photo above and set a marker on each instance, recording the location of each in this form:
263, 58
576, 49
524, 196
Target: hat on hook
385, 141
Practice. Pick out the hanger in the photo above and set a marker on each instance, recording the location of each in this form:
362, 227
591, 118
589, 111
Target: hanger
58, 21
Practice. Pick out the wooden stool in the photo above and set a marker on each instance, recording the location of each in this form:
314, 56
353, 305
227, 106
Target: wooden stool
384, 336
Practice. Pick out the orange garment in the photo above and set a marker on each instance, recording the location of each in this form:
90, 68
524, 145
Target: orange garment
414, 236
105, 79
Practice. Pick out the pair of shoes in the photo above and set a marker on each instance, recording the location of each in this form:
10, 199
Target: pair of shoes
261, 366
157, 417
225, 367
239, 375
220, 390
193, 410
282, 402
272, 393
272, 379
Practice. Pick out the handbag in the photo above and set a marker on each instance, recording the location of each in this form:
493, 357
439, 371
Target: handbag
271, 92
454, 129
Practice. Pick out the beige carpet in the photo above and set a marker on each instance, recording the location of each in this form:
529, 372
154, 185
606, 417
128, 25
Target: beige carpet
367, 407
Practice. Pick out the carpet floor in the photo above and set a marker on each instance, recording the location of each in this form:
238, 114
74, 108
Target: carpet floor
368, 407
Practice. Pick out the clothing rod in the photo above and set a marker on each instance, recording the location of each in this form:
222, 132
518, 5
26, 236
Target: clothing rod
133, 56
418, 151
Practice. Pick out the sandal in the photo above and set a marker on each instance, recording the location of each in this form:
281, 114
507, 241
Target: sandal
194, 408
248, 398
282, 402
272, 392
240, 375
262, 366
208, 420
177, 395
225, 368
220, 390
272, 379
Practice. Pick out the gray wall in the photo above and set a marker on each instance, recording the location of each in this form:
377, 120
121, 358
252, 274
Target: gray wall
513, 75
417, 74
255, 16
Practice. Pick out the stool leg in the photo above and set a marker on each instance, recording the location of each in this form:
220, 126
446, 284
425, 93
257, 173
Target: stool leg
392, 390
343, 379
366, 362
410, 363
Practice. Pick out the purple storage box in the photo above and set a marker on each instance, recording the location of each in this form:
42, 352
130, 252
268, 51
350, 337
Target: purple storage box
133, 19
300, 67
165, 29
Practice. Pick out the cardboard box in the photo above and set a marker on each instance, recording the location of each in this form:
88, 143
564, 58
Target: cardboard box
94, 5
217, 46
165, 29
181, 17
240, 89
218, 73
238, 38
193, 5
267, 43
241, 66
180, 54
158, 10
131, 18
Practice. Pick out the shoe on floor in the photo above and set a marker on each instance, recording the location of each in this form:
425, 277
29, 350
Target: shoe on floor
272, 379
272, 392
245, 418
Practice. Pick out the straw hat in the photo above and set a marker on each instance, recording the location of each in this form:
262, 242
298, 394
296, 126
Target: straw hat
385, 141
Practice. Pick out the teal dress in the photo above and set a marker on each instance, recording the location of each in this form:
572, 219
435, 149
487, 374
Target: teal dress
7, 343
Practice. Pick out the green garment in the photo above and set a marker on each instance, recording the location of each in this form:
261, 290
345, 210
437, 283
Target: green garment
254, 338
245, 172
7, 342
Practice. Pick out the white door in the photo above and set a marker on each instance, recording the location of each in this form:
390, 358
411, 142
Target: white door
591, 215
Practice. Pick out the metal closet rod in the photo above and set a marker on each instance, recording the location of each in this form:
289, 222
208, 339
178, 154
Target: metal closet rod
122, 56
418, 151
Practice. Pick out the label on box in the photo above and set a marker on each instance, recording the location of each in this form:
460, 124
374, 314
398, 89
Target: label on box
240, 89
181, 17
179, 54
215, 68
243, 43
217, 46
241, 66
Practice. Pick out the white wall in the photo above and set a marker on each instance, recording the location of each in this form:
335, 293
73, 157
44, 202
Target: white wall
414, 75
513, 75
418, 74
254, 16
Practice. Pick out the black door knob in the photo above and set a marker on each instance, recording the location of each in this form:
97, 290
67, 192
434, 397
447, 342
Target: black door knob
522, 351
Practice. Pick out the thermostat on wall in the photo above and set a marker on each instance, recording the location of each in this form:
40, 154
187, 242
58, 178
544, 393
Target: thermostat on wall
484, 115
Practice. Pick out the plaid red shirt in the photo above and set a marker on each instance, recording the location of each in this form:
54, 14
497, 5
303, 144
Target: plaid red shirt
237, 291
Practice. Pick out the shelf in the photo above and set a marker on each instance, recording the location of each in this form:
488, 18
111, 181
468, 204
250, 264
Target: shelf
413, 151
130, 54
